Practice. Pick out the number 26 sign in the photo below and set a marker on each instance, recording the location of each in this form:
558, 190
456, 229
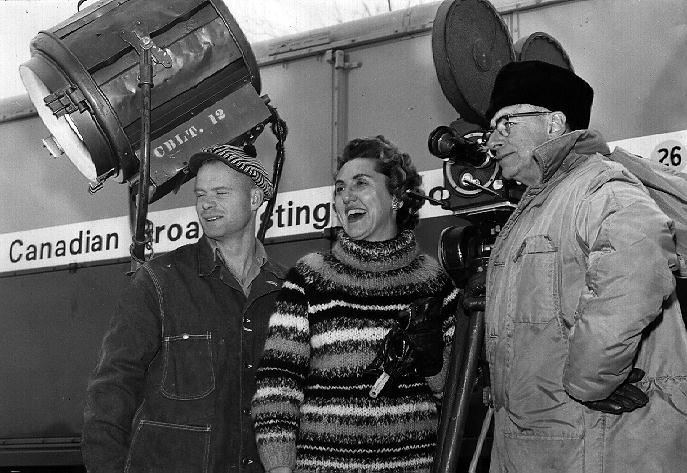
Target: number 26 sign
670, 153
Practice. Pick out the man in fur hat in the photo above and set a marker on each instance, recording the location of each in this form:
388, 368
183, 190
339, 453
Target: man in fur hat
584, 336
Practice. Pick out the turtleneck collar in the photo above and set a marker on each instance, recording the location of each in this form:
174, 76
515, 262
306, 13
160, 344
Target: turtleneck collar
376, 256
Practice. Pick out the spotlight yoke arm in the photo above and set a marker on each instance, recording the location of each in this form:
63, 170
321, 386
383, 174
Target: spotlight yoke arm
147, 51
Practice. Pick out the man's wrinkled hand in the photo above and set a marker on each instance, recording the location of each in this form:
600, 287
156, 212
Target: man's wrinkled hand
625, 398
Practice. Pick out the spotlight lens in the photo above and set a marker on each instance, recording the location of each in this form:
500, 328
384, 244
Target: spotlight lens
63, 129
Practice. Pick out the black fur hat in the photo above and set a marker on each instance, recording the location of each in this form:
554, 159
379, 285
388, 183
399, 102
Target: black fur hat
544, 85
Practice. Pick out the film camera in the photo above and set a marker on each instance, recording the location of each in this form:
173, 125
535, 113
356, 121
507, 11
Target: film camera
470, 44
472, 177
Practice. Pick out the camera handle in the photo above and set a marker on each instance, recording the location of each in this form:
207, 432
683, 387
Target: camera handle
444, 204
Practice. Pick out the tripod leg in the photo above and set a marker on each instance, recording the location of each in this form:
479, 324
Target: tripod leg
480, 440
457, 398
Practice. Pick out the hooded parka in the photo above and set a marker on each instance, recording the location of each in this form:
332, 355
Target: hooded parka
579, 291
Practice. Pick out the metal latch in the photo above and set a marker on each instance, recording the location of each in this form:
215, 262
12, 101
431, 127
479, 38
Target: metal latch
67, 100
338, 58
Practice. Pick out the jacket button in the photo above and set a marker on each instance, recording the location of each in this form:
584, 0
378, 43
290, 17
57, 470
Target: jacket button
245, 411
246, 461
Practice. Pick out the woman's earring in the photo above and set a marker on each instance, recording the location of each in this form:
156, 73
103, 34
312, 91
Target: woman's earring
553, 127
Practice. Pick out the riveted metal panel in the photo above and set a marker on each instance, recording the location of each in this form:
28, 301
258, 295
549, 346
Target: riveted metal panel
632, 52
302, 91
40, 191
396, 93
53, 324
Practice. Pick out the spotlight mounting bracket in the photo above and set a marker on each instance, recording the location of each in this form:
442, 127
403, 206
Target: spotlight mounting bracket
139, 39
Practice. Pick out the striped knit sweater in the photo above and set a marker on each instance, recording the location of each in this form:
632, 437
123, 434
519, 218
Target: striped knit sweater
312, 409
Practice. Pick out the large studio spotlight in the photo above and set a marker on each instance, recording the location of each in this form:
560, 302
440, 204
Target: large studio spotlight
84, 80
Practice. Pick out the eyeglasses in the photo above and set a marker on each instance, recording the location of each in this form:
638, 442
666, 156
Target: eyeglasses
503, 124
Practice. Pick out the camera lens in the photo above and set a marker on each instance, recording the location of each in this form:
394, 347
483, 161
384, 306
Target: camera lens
442, 142
445, 143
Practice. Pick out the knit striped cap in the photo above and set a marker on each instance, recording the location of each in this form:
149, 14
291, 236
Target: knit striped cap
237, 159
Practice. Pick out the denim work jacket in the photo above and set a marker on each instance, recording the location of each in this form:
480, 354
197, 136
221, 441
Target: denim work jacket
171, 391
580, 291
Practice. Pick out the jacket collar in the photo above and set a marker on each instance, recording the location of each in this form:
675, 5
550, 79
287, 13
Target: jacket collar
551, 155
207, 262
209, 256
277, 270
209, 259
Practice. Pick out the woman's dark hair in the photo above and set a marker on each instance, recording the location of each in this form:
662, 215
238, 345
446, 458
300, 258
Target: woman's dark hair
399, 170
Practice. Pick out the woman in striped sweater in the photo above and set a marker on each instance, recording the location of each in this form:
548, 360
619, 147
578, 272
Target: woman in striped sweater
314, 410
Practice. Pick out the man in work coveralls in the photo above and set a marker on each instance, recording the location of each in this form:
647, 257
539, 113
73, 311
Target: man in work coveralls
584, 337
171, 391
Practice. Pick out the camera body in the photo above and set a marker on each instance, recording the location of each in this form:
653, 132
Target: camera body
472, 179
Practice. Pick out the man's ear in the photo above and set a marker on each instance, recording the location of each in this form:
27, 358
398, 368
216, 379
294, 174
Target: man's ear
256, 198
557, 124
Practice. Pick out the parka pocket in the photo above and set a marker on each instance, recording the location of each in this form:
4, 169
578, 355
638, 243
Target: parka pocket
537, 404
535, 281
188, 371
544, 454
159, 447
